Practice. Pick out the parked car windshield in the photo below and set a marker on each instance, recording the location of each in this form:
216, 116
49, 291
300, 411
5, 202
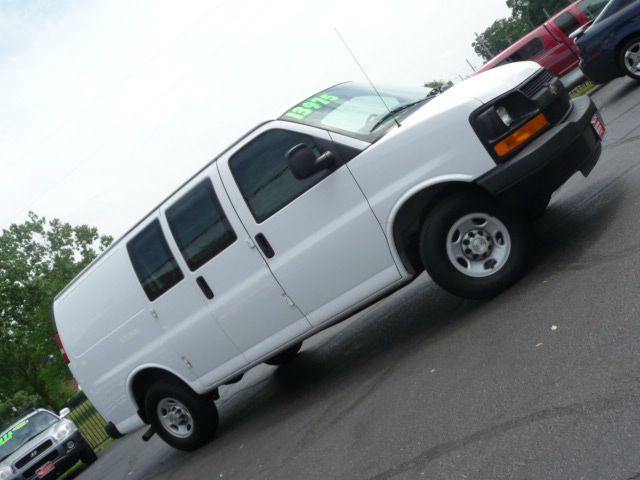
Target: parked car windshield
356, 110
592, 8
23, 431
614, 6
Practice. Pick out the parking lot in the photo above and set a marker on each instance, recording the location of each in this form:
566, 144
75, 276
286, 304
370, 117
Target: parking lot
542, 382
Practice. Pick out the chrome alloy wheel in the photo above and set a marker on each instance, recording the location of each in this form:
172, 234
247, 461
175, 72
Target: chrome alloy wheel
632, 58
478, 245
175, 418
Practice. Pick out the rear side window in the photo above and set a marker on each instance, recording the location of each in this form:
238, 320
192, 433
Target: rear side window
153, 262
530, 50
567, 23
199, 225
263, 175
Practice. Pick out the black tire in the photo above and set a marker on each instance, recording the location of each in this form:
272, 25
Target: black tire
285, 356
633, 46
433, 246
202, 415
87, 455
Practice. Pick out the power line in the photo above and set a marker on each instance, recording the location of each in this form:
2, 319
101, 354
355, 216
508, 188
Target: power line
139, 115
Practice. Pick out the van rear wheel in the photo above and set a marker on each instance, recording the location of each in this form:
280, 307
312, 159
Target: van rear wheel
182, 418
473, 247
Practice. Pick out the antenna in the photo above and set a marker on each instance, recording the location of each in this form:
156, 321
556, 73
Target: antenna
367, 77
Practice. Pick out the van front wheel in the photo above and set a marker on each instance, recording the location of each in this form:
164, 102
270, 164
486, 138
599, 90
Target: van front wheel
473, 247
182, 418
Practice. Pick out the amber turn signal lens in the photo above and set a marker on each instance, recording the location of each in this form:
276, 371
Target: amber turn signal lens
522, 135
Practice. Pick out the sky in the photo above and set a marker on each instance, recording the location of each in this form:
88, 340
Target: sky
107, 106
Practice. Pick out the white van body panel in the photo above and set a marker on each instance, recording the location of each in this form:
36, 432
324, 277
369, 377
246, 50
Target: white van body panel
321, 261
101, 358
413, 154
334, 253
249, 306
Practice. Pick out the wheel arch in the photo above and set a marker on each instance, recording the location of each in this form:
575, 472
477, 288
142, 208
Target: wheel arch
410, 211
143, 377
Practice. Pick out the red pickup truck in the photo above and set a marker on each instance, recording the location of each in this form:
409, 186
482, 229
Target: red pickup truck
550, 45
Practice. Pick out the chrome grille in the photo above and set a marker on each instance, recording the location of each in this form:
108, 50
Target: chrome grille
29, 457
32, 471
537, 83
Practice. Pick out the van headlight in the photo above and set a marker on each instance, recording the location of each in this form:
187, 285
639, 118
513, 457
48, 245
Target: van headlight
5, 472
62, 430
508, 123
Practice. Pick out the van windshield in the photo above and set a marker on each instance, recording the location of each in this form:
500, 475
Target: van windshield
20, 433
356, 110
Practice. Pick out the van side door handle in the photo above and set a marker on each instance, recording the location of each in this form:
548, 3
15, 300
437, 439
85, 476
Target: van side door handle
264, 245
204, 286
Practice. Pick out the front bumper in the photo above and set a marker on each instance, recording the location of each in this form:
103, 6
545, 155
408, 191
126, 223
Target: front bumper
60, 455
548, 161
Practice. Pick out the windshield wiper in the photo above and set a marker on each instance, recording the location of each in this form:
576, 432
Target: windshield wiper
393, 112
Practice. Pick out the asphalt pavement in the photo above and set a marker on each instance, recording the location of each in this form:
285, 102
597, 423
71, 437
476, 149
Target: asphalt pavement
542, 382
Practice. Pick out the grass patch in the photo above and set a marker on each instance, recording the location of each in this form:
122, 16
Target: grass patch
582, 89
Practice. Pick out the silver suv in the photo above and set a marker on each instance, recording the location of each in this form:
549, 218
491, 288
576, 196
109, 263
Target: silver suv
42, 445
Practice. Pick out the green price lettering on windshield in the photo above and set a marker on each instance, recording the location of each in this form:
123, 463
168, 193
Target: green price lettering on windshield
6, 437
9, 435
311, 105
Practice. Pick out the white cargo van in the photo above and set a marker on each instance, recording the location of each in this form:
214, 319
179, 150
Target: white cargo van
308, 218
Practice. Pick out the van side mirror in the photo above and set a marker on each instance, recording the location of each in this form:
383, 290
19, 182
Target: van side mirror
304, 163
65, 412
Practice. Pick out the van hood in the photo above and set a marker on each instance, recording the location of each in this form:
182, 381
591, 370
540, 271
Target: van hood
491, 84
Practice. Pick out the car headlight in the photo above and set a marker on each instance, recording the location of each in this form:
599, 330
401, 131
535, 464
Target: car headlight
5, 472
62, 430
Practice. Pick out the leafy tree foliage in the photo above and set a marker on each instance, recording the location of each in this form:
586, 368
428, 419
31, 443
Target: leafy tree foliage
500, 35
533, 11
525, 16
37, 259
435, 84
17, 406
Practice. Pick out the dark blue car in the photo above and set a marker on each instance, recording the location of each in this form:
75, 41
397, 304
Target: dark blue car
610, 47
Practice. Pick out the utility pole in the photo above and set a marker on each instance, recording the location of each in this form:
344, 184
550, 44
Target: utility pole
469, 63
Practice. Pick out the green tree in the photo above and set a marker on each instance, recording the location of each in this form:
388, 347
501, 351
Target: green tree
499, 35
37, 259
533, 11
435, 84
16, 406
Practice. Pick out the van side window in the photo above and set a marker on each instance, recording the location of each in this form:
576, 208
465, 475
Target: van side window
263, 176
153, 262
199, 225
567, 23
530, 50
